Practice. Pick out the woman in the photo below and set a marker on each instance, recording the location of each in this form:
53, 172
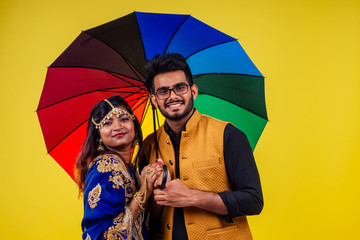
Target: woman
114, 204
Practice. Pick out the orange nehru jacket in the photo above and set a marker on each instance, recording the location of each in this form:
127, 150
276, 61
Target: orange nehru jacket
201, 163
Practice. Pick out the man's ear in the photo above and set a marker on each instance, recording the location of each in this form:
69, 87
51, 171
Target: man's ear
194, 91
153, 100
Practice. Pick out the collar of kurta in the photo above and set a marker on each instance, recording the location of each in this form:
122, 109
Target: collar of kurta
191, 123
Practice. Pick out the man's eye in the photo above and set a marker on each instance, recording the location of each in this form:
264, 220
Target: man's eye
180, 87
162, 91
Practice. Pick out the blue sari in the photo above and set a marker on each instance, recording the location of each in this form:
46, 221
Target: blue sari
109, 187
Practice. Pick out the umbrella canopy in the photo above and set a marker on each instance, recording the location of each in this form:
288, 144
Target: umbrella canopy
110, 59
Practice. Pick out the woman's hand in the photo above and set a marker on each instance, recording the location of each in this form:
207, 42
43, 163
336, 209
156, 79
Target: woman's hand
152, 173
147, 177
159, 180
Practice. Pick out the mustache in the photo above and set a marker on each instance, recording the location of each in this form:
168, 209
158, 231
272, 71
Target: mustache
172, 102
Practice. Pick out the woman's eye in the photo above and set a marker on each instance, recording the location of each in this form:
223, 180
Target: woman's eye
107, 123
124, 119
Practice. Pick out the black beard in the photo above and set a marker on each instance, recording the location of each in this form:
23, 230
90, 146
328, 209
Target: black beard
178, 116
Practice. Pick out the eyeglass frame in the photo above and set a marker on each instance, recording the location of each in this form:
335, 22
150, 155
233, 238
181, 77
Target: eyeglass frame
173, 89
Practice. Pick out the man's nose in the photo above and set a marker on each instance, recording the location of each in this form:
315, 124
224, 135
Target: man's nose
172, 93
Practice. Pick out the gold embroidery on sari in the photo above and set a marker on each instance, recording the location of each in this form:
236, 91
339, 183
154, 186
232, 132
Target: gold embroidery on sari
118, 180
105, 164
122, 228
120, 176
94, 196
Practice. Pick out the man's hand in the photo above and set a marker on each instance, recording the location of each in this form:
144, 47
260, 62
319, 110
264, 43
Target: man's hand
175, 194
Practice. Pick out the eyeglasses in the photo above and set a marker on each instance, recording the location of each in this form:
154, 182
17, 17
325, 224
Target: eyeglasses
165, 92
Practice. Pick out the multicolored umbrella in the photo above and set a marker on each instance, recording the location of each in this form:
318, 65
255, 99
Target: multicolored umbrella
109, 59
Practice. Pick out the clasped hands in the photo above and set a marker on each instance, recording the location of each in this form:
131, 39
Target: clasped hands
175, 194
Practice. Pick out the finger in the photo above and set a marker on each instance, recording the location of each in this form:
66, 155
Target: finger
158, 181
155, 167
152, 178
151, 170
159, 192
160, 198
160, 161
163, 203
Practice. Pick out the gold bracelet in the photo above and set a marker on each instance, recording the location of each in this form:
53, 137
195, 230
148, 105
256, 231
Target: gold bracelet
138, 203
142, 191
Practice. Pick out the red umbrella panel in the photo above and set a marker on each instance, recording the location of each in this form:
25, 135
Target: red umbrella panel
64, 123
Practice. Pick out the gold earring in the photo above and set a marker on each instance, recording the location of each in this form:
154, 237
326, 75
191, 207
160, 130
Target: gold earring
100, 148
136, 141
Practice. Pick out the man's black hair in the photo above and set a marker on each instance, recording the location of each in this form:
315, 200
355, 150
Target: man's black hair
166, 63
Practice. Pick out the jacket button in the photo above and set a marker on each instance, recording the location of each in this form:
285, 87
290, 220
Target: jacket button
171, 162
168, 226
167, 142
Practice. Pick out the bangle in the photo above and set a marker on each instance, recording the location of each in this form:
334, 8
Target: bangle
139, 203
142, 191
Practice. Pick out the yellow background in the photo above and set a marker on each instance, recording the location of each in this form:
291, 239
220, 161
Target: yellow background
308, 155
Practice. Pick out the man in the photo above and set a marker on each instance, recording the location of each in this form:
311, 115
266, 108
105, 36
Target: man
215, 182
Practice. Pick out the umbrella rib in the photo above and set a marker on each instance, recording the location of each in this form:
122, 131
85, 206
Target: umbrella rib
133, 93
209, 47
142, 101
132, 100
235, 104
100, 69
134, 85
125, 59
177, 29
63, 100
133, 68
145, 112
121, 91
67, 135
216, 73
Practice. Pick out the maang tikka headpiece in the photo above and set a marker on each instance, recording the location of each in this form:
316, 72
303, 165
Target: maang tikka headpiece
114, 112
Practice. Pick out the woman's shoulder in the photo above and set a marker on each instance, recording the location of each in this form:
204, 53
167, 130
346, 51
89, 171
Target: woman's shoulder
107, 163
108, 169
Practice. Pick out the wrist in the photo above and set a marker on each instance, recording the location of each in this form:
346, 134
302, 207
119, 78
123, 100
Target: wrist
193, 198
140, 200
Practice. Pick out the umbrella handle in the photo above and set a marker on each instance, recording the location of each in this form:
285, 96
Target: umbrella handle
156, 141
165, 172
164, 178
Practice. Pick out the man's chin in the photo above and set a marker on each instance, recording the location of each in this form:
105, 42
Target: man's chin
174, 116
178, 113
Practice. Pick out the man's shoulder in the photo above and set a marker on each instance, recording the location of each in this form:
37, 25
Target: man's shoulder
228, 128
213, 120
150, 139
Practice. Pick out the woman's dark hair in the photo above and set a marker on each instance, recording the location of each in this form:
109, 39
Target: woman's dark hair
166, 63
89, 147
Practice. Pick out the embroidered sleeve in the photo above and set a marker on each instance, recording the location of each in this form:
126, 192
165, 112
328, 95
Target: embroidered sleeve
94, 196
109, 188
121, 227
